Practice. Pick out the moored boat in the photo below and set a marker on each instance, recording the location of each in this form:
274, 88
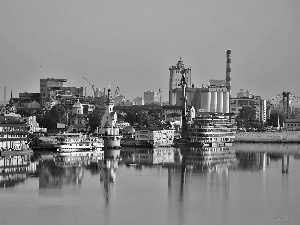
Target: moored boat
40, 143
211, 131
72, 142
14, 136
154, 137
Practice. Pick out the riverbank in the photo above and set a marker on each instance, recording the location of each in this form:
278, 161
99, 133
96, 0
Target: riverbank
268, 137
277, 148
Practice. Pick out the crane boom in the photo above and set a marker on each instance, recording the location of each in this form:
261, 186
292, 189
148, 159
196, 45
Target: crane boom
90, 84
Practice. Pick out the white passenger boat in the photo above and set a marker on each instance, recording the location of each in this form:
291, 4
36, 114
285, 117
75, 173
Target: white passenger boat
71, 142
14, 136
211, 131
154, 137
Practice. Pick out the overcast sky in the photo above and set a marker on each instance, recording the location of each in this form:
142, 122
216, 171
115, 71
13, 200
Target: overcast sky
132, 43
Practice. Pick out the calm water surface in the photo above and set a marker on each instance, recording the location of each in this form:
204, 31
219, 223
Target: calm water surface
256, 184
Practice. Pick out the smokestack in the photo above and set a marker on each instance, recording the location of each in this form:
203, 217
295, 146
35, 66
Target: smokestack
4, 93
228, 71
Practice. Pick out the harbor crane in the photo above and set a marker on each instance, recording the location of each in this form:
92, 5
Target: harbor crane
92, 85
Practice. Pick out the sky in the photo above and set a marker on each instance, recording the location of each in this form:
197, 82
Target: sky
132, 44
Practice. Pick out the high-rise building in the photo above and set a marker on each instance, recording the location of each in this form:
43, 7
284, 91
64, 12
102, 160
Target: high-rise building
255, 102
151, 97
119, 100
58, 90
98, 93
138, 101
48, 84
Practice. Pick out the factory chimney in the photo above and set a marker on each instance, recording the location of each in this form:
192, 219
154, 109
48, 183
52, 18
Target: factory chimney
228, 71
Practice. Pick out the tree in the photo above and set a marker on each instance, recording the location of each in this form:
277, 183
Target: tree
247, 117
57, 114
94, 118
131, 117
24, 112
273, 120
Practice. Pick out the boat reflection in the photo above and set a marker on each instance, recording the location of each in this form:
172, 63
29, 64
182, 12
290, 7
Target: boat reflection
66, 168
209, 170
149, 156
197, 158
190, 158
83, 158
15, 169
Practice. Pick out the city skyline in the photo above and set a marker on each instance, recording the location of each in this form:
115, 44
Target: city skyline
132, 45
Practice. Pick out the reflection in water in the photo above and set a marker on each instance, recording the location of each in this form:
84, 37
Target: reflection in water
66, 168
15, 169
253, 160
108, 167
234, 187
256, 161
201, 175
160, 155
108, 176
268, 148
210, 160
285, 163
149, 156
55, 176
196, 161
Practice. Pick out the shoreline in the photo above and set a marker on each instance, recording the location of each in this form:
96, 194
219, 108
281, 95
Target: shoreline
268, 141
268, 137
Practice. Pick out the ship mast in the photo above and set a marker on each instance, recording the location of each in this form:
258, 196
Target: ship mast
183, 85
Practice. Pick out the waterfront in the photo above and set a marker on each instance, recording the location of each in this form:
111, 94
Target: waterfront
268, 137
260, 185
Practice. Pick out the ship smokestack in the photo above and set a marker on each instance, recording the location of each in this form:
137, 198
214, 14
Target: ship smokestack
228, 71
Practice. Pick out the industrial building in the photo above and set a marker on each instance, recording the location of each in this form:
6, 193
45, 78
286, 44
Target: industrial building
214, 97
174, 81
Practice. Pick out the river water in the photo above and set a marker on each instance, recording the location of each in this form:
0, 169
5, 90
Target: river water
255, 184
